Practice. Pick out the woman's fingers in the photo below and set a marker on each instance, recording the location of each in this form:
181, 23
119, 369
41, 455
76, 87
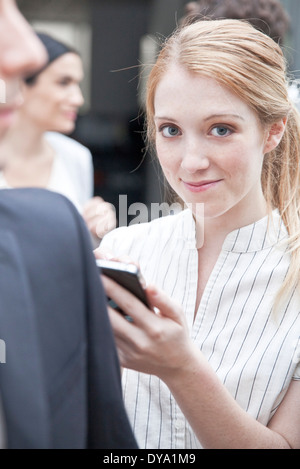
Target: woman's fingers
166, 306
100, 216
101, 253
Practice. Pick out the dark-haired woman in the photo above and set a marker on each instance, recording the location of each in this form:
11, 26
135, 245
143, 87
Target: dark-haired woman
36, 151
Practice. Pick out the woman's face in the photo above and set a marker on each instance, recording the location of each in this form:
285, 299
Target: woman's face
210, 145
52, 102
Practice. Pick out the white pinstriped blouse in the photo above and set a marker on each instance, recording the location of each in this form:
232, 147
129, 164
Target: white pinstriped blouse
254, 353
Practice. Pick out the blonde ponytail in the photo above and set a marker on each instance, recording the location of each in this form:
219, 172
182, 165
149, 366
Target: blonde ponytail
281, 187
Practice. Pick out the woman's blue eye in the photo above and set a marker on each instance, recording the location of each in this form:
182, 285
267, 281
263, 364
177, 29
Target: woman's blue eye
220, 131
169, 131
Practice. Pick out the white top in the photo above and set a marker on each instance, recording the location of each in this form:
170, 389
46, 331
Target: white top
72, 170
254, 353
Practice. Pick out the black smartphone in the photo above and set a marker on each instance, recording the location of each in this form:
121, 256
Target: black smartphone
126, 275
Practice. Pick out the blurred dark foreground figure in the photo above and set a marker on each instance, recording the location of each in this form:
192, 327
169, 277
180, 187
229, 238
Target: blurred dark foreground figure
60, 382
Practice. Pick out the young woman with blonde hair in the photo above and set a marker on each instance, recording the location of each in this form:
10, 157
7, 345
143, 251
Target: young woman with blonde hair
216, 363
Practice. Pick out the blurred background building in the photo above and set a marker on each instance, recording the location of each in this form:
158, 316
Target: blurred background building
114, 37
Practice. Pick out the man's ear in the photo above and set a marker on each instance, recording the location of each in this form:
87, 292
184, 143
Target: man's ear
274, 135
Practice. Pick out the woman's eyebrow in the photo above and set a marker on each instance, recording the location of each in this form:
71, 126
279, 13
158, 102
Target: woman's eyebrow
164, 118
214, 116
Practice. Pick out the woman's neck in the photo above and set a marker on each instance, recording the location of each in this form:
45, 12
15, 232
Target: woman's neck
24, 141
26, 156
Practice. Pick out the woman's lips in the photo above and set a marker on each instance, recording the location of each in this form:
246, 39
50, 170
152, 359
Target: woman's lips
71, 115
201, 186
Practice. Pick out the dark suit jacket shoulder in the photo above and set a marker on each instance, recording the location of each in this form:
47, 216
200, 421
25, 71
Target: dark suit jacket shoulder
60, 384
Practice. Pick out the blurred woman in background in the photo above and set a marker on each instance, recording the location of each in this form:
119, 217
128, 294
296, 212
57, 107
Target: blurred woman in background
35, 151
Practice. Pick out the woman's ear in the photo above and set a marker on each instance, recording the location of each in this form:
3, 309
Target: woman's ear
274, 135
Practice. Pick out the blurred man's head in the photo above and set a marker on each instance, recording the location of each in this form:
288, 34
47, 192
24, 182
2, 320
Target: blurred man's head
269, 16
20, 54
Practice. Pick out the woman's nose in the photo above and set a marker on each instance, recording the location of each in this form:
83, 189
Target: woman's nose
195, 158
76, 97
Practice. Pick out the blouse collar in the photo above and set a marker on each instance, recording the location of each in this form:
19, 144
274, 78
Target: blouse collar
262, 234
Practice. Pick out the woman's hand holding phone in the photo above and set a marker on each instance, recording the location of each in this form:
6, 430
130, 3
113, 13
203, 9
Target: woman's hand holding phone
156, 343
